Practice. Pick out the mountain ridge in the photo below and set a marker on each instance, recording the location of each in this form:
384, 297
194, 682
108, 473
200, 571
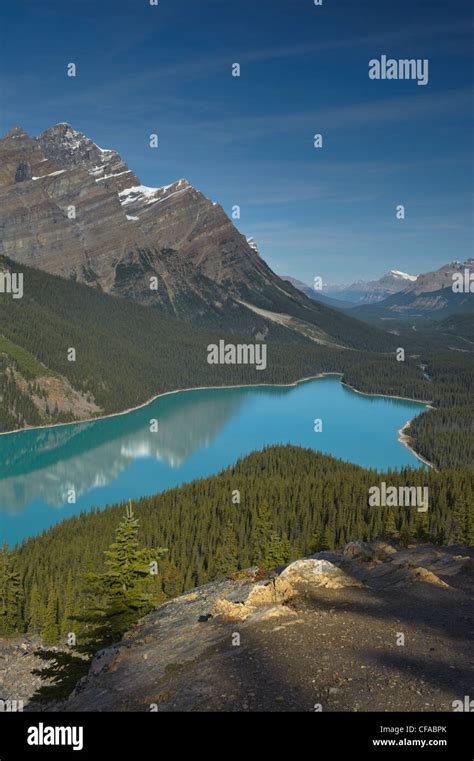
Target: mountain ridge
76, 210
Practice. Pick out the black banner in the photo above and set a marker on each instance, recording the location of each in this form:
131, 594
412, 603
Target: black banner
98, 735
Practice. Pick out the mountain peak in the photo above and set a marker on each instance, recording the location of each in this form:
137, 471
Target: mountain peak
125, 233
16, 132
65, 133
69, 148
63, 127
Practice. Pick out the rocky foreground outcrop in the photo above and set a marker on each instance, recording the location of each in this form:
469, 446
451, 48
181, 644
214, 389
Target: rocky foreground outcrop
375, 628
323, 632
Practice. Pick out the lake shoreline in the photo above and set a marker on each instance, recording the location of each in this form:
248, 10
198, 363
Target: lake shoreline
406, 440
167, 393
403, 437
386, 396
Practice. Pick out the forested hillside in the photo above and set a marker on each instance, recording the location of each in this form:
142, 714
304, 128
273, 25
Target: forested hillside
460, 325
299, 501
125, 352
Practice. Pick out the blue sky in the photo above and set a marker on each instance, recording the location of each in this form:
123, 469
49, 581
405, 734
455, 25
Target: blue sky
166, 69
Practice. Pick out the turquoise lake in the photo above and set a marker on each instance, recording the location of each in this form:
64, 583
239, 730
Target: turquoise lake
199, 433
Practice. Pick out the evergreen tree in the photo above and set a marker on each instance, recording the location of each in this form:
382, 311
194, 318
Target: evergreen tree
50, 631
390, 524
226, 558
36, 611
326, 540
116, 601
10, 593
270, 549
277, 551
117, 596
172, 580
422, 533
69, 606
262, 533
457, 533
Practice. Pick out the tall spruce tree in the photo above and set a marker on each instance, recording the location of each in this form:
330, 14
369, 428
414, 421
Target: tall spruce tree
117, 596
50, 631
67, 618
226, 558
277, 551
36, 611
390, 523
262, 532
10, 593
269, 547
115, 600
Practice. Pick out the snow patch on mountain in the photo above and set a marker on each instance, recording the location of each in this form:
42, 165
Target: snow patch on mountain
142, 195
51, 174
253, 244
137, 193
108, 176
403, 275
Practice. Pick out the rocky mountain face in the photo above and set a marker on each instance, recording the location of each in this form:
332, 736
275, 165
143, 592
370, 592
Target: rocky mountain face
438, 279
317, 635
429, 303
56, 204
74, 209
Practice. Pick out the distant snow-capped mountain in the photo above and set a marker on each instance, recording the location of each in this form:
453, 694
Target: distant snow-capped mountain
361, 292
431, 294
371, 291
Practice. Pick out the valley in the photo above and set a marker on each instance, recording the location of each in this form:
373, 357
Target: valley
47, 475
201, 378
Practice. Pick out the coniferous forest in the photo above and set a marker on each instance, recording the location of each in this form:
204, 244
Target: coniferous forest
304, 500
